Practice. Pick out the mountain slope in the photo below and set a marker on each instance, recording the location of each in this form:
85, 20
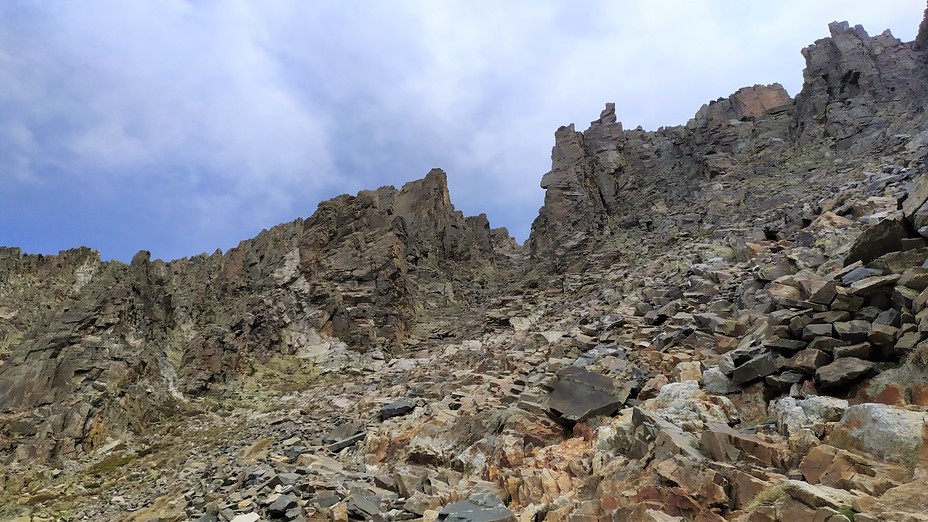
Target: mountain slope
723, 320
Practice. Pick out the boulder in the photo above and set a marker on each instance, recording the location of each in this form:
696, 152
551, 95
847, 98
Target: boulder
757, 368
580, 394
483, 507
883, 431
876, 240
396, 409
842, 372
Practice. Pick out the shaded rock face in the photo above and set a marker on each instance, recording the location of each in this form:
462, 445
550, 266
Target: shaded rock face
606, 182
856, 84
607, 179
133, 339
371, 257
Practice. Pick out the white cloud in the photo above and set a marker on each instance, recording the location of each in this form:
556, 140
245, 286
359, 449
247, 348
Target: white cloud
238, 115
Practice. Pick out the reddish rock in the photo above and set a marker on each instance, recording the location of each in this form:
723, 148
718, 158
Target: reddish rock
892, 394
920, 394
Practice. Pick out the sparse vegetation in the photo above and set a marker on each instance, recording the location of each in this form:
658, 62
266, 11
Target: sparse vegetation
910, 460
766, 497
848, 512
110, 463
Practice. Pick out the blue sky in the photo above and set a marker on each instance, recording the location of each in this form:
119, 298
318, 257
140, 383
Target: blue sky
182, 127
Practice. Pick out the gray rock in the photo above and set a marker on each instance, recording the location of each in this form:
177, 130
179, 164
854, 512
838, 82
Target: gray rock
715, 381
785, 345
858, 274
784, 381
282, 504
876, 240
852, 331
883, 431
396, 409
870, 285
484, 507
757, 368
580, 394
346, 442
842, 372
816, 330
342, 432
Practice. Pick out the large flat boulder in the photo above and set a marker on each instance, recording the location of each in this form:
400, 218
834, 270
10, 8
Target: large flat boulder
580, 394
882, 431
842, 372
484, 507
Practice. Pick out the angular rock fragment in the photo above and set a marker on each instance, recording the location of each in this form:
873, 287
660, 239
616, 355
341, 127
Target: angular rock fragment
870, 285
816, 330
484, 507
876, 240
396, 409
580, 394
808, 360
842, 372
859, 350
757, 368
852, 331
884, 431
346, 442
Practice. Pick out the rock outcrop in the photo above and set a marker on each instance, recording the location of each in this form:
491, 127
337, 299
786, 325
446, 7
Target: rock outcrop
90, 346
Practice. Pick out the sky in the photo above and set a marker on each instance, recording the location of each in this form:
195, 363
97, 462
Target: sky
182, 127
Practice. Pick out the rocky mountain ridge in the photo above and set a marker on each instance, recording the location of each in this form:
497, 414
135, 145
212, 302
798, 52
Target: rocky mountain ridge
715, 321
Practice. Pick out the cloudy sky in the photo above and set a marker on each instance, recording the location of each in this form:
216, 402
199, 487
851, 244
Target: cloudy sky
185, 126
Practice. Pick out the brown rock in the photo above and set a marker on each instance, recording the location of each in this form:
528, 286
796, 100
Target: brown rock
871, 285
838, 468
842, 372
876, 240
892, 394
652, 387
882, 335
725, 444
907, 342
918, 304
825, 344
920, 394
845, 301
808, 360
915, 278
859, 350
784, 295
825, 294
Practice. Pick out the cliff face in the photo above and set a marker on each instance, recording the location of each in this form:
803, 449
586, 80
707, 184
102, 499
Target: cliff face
88, 346
857, 87
608, 179
859, 91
